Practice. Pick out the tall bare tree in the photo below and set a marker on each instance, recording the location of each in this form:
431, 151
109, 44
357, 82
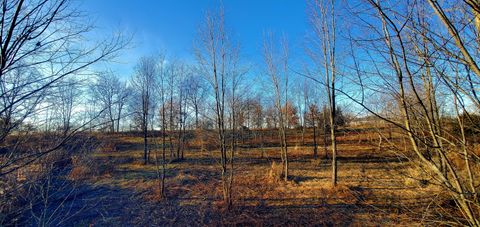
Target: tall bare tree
277, 69
143, 83
161, 89
214, 55
323, 20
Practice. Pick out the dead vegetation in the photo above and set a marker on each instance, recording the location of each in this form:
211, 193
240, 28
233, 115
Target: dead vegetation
375, 187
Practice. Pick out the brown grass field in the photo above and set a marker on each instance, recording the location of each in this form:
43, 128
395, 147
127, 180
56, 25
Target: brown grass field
376, 186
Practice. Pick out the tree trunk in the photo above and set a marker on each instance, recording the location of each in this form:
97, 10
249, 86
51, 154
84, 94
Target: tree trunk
325, 146
334, 151
145, 144
196, 115
315, 151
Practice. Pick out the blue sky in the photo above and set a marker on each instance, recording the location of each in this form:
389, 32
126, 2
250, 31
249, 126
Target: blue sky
171, 25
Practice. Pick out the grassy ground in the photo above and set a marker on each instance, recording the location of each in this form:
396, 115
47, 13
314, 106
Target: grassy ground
376, 187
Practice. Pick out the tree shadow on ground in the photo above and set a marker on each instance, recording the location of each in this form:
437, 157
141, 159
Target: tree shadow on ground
73, 203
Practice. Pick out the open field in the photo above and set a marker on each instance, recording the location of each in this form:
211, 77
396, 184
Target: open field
375, 188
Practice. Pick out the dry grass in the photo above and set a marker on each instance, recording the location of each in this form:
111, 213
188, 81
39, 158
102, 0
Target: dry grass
375, 187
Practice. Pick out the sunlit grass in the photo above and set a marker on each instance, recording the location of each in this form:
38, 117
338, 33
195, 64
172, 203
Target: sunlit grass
364, 177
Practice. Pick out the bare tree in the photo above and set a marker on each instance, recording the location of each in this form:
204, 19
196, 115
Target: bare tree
213, 53
304, 103
40, 44
112, 95
123, 94
416, 63
161, 88
196, 93
277, 70
259, 122
323, 20
235, 75
143, 83
170, 80
312, 118
67, 96
184, 72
